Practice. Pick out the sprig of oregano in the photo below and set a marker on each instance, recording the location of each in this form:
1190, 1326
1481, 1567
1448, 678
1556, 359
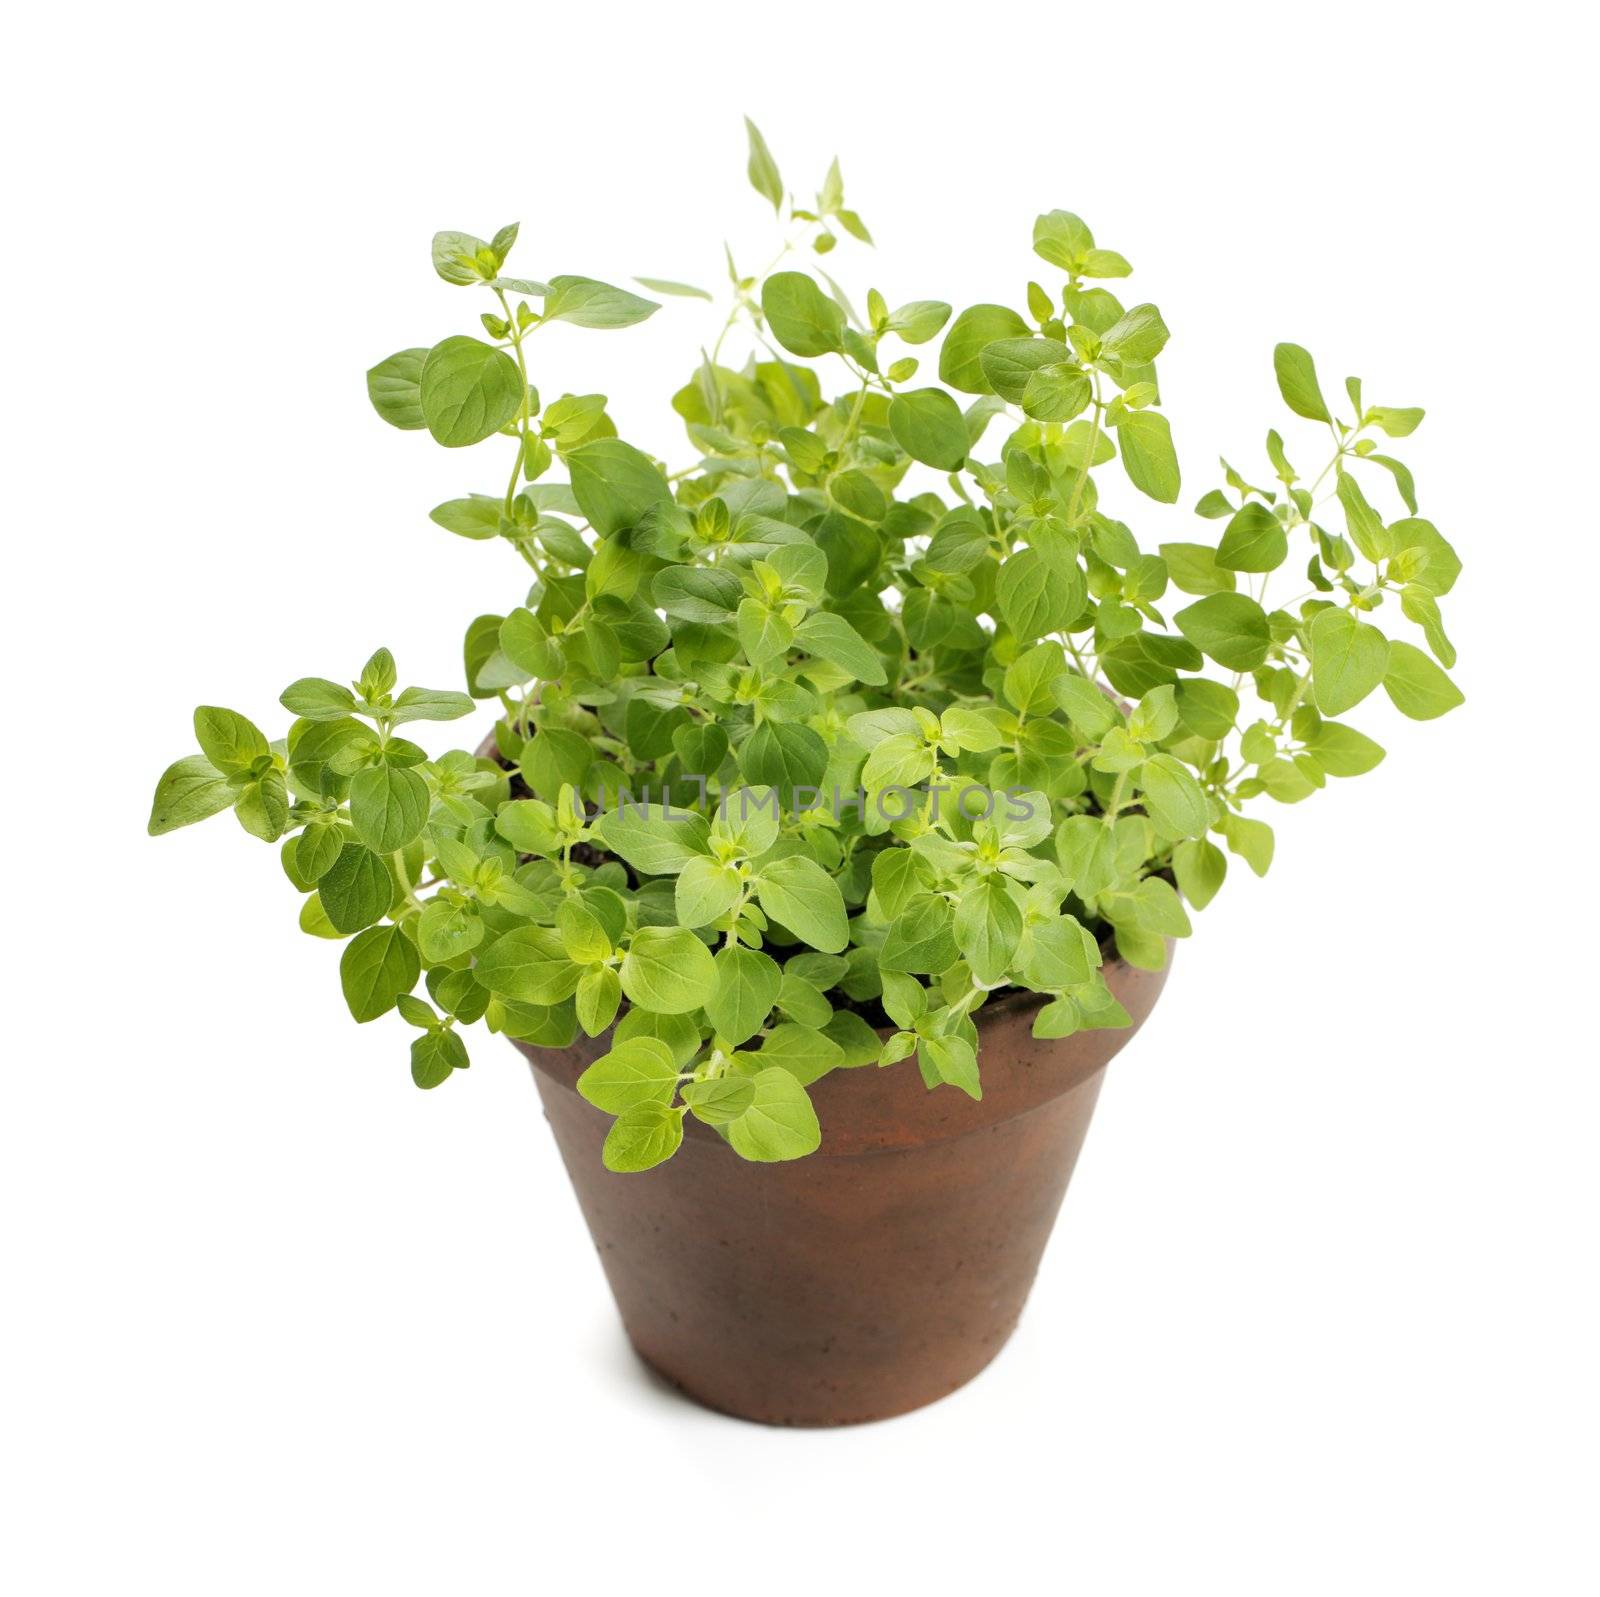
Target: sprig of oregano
854, 721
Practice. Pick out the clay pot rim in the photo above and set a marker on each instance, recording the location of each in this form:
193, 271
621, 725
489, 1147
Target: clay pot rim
864, 1111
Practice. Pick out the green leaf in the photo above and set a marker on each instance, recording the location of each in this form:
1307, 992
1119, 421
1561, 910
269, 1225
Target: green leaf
1254, 540
395, 388
802, 1002
1119, 753
857, 1041
582, 936
665, 285
918, 320
262, 806
805, 1052
779, 1122
555, 757
615, 485
869, 728
1010, 364
921, 939
457, 258
857, 493
657, 844
1036, 596
784, 755
1419, 605
1083, 446
435, 1056
315, 849
764, 634
668, 970
1297, 382
1155, 715
747, 819
377, 675
927, 424
1060, 1018
377, 966
643, 1137
1416, 686
317, 699
388, 806
190, 789
1438, 575
1030, 679
522, 285
1365, 526
469, 391
1348, 659
529, 965
228, 740
802, 318
1136, 337
1148, 456
1195, 569
585, 302
1343, 751
719, 1100
988, 928
356, 889
1086, 706
1057, 394
429, 704
802, 896
500, 244
701, 594
899, 761
1105, 263
1397, 423
1062, 239
1154, 905
762, 169
905, 999
961, 355
598, 995
446, 930
650, 727
972, 731
830, 637
952, 1060
641, 1070
1207, 709
1404, 482
747, 988
896, 878
680, 1033
1174, 797
1251, 840
1201, 867
1230, 627
706, 891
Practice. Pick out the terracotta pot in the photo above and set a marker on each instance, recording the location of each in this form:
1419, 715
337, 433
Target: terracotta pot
874, 1276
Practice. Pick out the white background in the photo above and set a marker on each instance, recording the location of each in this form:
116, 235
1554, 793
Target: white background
1320, 1313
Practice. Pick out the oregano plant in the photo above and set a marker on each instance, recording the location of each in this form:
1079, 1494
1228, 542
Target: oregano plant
808, 748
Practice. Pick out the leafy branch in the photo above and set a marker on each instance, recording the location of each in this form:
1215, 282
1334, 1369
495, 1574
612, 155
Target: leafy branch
807, 748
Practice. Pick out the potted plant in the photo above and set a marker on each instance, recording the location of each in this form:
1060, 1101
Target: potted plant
849, 784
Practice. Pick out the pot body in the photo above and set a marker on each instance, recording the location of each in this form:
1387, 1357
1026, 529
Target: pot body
877, 1274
